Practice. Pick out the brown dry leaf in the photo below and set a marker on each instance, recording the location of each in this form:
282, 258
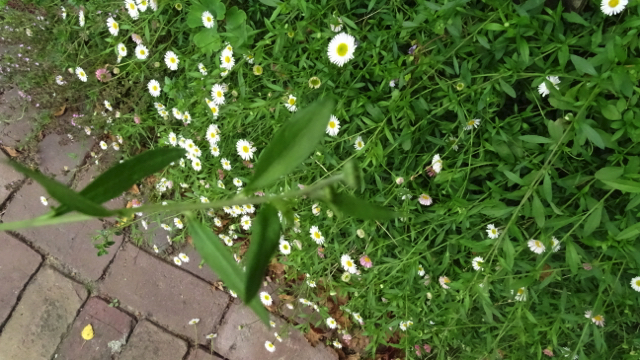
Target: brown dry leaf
286, 297
189, 240
61, 111
129, 204
545, 274
151, 180
134, 189
276, 267
355, 356
11, 151
218, 285
313, 337
358, 342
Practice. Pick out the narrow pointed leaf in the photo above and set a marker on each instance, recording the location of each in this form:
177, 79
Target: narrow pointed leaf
121, 177
63, 194
292, 144
264, 243
350, 205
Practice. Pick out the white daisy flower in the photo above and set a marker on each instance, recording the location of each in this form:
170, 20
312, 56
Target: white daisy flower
142, 5
63, 12
345, 277
217, 94
132, 8
472, 124
598, 320
172, 61
555, 244
348, 264
153, 4
178, 223
215, 151
173, 140
420, 270
122, 50
269, 346
436, 163
492, 232
226, 59
155, 248
316, 235
81, 74
224, 73
142, 52
336, 25
233, 293
613, 7
60, 80
316, 209
113, 26
536, 246
359, 144
443, 280
197, 165
425, 200
521, 294
315, 82
81, 18
103, 145
107, 104
542, 88
183, 257
635, 283
285, 248
220, 184
245, 221
186, 118
154, 88
225, 164
194, 321
215, 111
176, 113
177, 261
213, 134
44, 201
202, 69
257, 70
341, 49
291, 103
266, 298
331, 323
404, 325
207, 20
245, 149
477, 263
237, 182
334, 126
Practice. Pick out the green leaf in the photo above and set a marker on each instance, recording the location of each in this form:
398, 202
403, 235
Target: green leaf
264, 243
593, 221
546, 187
592, 135
573, 260
609, 173
219, 259
120, 178
494, 27
360, 209
575, 18
208, 40
535, 139
63, 194
513, 177
509, 252
631, 231
194, 18
583, 66
507, 89
537, 210
292, 144
611, 112
216, 8
624, 185
235, 17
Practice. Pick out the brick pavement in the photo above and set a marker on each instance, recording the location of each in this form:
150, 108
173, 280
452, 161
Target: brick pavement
138, 303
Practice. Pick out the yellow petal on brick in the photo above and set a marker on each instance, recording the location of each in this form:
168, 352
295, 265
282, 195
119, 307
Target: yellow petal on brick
87, 332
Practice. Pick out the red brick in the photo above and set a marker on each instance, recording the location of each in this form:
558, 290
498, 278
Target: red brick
9, 178
71, 243
57, 151
20, 115
148, 342
247, 342
17, 263
111, 329
164, 293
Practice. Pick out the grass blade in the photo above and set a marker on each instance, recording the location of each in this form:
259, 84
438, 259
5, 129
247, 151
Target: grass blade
264, 243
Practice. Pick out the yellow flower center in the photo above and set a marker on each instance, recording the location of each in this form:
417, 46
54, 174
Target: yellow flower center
209, 19
638, 282
342, 49
520, 291
538, 243
197, 163
286, 247
613, 3
266, 297
292, 101
349, 263
82, 73
142, 52
599, 317
470, 122
317, 235
173, 60
360, 144
332, 125
132, 6
115, 26
227, 59
219, 94
245, 149
494, 231
155, 88
446, 280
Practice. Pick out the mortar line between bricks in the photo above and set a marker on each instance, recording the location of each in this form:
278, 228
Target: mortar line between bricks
70, 326
21, 294
107, 298
103, 276
5, 204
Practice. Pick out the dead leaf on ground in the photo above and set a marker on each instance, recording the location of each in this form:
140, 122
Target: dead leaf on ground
218, 285
286, 297
11, 151
545, 274
276, 267
129, 204
189, 240
134, 189
151, 180
358, 342
355, 356
313, 337
60, 112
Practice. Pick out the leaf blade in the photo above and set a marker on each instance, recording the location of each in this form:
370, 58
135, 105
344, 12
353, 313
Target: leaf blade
352, 206
264, 243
